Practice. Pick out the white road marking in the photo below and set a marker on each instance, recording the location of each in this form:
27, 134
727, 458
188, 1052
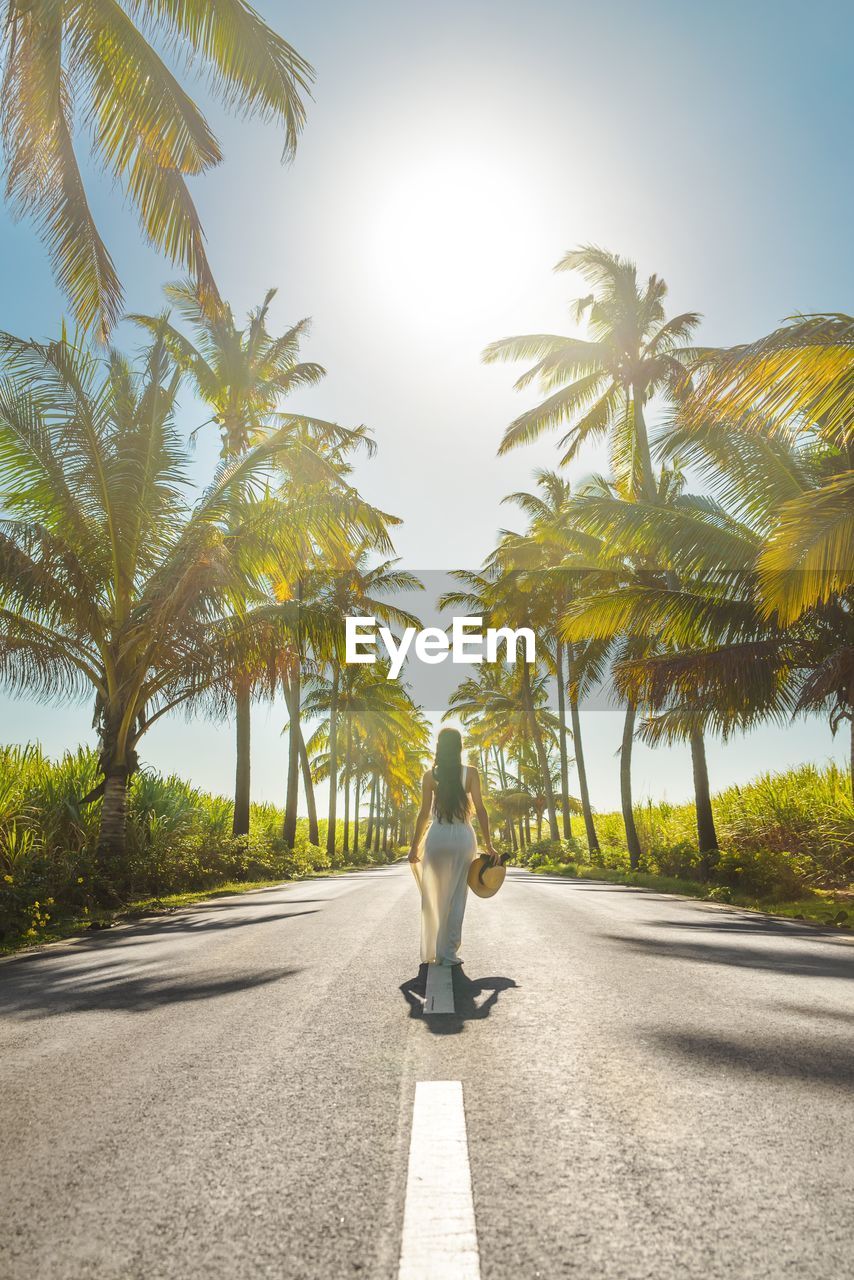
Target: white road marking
439, 996
439, 1233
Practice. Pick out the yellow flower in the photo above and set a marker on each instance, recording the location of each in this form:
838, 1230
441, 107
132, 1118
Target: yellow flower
79, 879
9, 879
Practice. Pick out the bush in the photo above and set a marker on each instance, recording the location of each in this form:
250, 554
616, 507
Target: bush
765, 873
805, 814
179, 840
545, 851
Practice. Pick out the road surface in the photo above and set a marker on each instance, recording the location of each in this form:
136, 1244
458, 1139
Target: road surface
652, 1087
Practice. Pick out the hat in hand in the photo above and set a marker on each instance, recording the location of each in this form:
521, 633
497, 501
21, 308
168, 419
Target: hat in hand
485, 876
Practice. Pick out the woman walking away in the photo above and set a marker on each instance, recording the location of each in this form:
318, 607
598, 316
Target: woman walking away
449, 791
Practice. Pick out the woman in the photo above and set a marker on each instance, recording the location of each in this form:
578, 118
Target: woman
449, 791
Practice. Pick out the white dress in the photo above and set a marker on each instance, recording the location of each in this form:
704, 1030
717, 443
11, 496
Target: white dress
448, 852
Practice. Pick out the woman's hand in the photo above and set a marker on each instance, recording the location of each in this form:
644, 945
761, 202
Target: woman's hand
413, 855
493, 854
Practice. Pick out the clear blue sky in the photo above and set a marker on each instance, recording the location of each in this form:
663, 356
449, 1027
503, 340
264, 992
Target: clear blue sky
452, 154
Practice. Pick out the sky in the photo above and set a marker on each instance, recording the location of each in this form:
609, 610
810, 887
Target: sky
453, 153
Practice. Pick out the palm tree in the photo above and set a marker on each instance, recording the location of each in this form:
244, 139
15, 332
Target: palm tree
110, 582
604, 385
513, 705
542, 551
89, 64
796, 383
243, 374
355, 588
725, 663
502, 600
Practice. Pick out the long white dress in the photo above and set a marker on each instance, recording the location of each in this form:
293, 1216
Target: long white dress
448, 852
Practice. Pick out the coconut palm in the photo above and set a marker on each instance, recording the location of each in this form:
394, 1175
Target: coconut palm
501, 600
601, 385
724, 663
242, 374
355, 588
111, 583
604, 385
88, 67
547, 551
796, 383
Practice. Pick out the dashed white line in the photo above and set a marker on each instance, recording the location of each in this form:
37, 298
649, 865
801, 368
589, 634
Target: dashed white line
439, 1233
439, 996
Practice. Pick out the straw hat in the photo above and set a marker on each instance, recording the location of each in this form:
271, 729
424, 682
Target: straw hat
485, 877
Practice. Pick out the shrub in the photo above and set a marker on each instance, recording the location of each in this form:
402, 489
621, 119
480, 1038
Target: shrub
765, 873
179, 839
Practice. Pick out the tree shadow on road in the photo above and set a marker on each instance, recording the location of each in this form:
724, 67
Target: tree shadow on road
820, 1062
469, 1002
37, 992
795, 960
110, 987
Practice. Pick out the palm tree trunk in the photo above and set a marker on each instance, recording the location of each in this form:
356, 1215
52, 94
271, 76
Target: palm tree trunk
581, 768
642, 441
112, 834
632, 840
292, 697
308, 787
387, 820
707, 838
243, 733
333, 764
564, 755
356, 797
542, 758
348, 765
369, 834
851, 755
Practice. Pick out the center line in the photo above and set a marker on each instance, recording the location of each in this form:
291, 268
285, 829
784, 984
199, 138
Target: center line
439, 995
439, 1233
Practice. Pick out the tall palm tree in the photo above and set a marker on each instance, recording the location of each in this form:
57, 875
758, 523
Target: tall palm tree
497, 598
602, 385
243, 373
89, 66
725, 663
543, 551
111, 583
355, 588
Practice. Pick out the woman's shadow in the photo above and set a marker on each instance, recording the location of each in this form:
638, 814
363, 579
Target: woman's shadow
469, 1005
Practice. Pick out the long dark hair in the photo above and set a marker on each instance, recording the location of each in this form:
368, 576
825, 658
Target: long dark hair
450, 800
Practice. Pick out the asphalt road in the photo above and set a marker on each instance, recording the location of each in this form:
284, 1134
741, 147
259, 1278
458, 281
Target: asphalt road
653, 1088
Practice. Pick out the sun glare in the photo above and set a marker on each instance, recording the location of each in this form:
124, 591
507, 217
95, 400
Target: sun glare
449, 234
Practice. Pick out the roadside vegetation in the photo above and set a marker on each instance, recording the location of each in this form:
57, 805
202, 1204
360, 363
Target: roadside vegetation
179, 848
787, 846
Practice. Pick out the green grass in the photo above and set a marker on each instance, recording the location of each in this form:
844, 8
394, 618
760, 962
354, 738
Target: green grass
816, 906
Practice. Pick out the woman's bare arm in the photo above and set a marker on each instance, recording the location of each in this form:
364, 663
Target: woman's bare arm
480, 811
423, 815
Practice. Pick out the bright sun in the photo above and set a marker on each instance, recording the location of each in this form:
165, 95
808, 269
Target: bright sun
450, 229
